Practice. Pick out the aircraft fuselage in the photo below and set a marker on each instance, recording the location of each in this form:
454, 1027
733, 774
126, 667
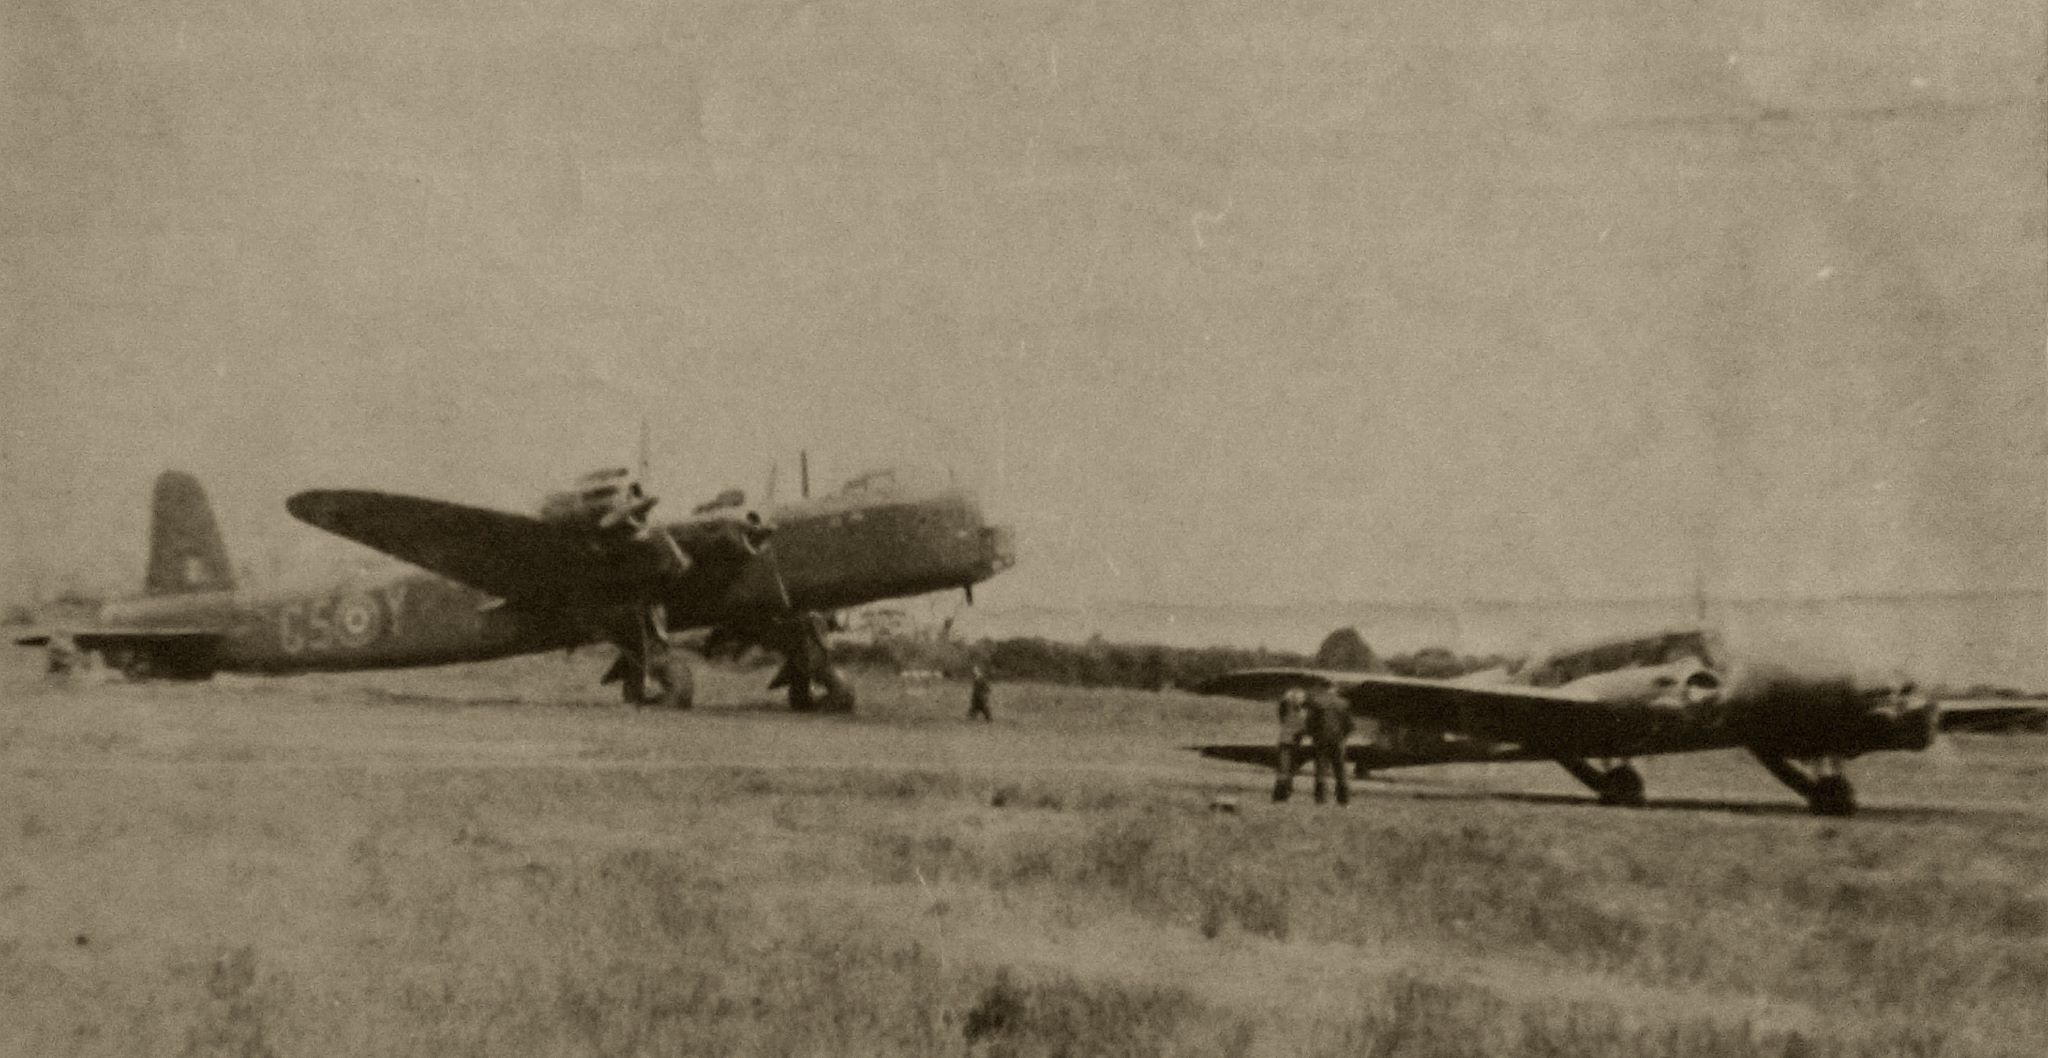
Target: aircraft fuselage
832, 553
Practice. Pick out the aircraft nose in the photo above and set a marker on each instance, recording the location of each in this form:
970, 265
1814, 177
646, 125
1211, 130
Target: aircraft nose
1906, 720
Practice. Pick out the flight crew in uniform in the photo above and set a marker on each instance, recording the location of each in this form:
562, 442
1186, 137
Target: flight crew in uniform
1325, 719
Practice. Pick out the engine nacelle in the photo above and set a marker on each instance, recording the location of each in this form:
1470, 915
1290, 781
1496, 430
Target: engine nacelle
602, 499
612, 501
1682, 684
727, 534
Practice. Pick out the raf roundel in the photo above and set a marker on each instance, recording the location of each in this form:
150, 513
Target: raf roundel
356, 620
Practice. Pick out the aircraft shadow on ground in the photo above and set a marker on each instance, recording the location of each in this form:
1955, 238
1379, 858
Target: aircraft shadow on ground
473, 700
1421, 788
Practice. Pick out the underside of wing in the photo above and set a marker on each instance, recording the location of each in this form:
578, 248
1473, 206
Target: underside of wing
1492, 710
508, 555
1538, 721
1374, 756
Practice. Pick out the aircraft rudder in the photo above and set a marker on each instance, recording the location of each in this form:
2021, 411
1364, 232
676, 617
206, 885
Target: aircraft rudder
186, 553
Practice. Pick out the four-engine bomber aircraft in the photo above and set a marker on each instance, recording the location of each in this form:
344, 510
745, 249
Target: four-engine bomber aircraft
1668, 693
589, 568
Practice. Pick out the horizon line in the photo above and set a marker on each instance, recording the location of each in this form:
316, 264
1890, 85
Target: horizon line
1506, 601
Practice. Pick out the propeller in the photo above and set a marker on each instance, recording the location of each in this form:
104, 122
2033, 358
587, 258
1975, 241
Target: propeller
633, 512
774, 557
632, 515
775, 560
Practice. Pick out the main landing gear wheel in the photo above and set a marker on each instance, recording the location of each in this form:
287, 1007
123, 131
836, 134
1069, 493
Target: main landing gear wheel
1824, 785
1619, 785
668, 683
814, 685
824, 692
653, 671
1833, 796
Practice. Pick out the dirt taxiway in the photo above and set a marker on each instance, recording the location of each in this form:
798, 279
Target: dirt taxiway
500, 858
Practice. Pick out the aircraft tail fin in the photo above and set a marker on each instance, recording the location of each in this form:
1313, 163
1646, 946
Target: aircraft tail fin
185, 550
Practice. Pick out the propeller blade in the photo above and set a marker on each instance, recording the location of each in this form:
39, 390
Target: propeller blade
675, 550
775, 570
634, 513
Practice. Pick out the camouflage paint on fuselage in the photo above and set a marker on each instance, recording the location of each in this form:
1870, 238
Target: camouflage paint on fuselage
405, 620
833, 552
845, 550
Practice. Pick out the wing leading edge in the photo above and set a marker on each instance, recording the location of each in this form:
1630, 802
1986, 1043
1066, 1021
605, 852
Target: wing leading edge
1538, 719
512, 556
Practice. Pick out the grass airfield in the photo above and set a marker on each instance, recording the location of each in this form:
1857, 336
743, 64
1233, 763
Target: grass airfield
499, 859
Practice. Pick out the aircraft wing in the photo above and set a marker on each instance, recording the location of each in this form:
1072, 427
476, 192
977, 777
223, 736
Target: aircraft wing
1265, 685
512, 556
1991, 714
1375, 757
1543, 720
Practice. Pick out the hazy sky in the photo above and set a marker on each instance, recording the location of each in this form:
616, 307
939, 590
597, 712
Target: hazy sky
1263, 301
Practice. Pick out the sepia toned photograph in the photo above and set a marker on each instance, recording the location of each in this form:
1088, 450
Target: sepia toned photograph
1060, 528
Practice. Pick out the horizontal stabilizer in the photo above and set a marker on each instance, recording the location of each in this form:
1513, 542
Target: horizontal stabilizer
125, 638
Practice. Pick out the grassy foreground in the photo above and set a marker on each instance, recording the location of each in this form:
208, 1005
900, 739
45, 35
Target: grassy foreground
327, 867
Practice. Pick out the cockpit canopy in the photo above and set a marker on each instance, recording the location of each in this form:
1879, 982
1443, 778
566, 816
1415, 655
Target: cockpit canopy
1561, 667
897, 478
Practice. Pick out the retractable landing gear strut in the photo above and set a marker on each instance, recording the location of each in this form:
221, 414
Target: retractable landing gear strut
814, 685
1823, 782
651, 670
1618, 784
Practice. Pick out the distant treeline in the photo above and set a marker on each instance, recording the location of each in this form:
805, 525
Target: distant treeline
1099, 663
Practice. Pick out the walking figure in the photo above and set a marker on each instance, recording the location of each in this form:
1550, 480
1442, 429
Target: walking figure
977, 701
1325, 720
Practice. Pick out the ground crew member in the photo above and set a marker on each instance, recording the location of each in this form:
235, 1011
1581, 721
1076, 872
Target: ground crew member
1325, 719
977, 700
63, 657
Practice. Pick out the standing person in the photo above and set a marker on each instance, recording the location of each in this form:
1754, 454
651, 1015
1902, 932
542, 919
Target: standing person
1329, 725
1324, 718
63, 657
977, 700
1291, 712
